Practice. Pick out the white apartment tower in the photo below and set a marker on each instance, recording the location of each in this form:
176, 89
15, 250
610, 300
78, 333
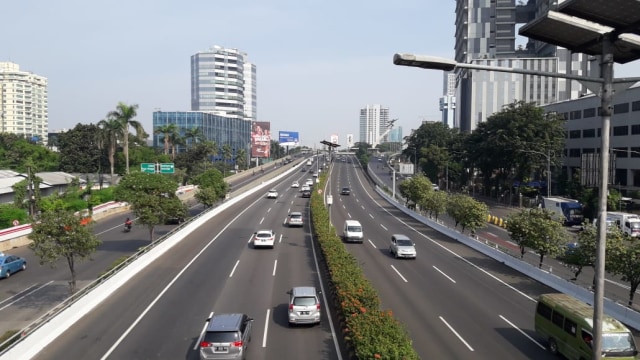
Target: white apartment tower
224, 83
23, 103
448, 100
374, 121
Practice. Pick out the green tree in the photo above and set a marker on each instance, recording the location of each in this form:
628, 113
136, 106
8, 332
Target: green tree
538, 230
623, 259
207, 196
241, 159
80, 150
212, 179
59, 234
9, 213
227, 155
124, 114
152, 197
435, 202
416, 189
15, 149
467, 212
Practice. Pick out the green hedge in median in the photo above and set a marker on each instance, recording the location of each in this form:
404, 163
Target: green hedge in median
370, 332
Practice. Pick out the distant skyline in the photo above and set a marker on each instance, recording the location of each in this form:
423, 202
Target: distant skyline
318, 62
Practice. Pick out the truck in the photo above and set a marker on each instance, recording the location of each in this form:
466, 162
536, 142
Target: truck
569, 211
628, 223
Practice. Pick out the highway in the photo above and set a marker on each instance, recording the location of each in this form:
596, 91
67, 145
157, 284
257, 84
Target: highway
161, 312
456, 303
29, 294
615, 287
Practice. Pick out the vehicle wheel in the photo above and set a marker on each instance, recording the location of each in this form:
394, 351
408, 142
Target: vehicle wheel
7, 275
24, 266
553, 346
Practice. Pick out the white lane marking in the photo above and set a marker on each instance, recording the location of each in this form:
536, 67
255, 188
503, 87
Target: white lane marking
522, 332
25, 295
234, 268
443, 274
250, 238
362, 206
398, 272
371, 216
384, 227
280, 240
349, 215
261, 220
266, 327
490, 233
275, 265
455, 333
204, 328
268, 211
20, 292
372, 244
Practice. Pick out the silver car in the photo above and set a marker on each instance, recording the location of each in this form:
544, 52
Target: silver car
227, 337
402, 247
304, 305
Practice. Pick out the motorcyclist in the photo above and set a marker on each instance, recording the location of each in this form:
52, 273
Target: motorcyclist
128, 223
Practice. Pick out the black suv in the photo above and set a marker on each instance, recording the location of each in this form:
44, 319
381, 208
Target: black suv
227, 337
345, 191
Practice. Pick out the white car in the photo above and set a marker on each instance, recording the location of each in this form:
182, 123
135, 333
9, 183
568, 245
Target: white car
272, 194
305, 188
264, 238
295, 184
402, 247
309, 182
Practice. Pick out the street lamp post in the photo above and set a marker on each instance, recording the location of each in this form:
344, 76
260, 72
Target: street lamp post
604, 85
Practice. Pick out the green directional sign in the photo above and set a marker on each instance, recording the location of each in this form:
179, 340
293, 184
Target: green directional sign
166, 168
148, 168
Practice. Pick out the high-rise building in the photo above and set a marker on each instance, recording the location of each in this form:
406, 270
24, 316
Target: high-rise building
395, 135
486, 35
23, 103
448, 100
223, 82
374, 121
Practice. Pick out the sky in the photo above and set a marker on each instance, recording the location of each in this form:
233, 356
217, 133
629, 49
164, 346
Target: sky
318, 62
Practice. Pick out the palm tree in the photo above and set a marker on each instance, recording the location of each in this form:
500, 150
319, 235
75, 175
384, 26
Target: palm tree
108, 137
194, 134
241, 159
175, 140
124, 114
166, 130
226, 156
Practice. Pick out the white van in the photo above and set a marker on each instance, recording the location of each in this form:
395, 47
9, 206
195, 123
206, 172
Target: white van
352, 231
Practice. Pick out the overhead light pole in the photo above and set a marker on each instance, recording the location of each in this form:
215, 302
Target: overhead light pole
603, 86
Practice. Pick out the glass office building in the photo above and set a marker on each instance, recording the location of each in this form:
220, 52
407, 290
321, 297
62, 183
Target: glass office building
220, 129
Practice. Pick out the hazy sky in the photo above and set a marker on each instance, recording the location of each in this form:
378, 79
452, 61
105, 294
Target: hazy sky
318, 62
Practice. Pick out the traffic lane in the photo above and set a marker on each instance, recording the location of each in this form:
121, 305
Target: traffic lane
95, 333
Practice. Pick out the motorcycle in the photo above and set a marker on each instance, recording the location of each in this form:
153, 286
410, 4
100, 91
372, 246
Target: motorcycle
127, 227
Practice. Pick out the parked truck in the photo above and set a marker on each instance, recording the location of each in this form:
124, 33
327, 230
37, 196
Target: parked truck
628, 223
567, 210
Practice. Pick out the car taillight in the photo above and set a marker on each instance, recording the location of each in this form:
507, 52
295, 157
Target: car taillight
318, 306
290, 307
237, 343
205, 344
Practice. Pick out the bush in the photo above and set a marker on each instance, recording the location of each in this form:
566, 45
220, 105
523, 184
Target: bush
9, 213
370, 333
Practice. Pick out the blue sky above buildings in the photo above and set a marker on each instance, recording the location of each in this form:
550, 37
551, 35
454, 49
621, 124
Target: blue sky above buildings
318, 62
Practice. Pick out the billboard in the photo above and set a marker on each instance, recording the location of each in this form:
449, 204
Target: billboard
350, 142
288, 138
334, 138
260, 139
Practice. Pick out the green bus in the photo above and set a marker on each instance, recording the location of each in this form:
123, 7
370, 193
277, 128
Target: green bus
567, 324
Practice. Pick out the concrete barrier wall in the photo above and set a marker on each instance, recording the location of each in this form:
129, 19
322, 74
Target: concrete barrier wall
612, 308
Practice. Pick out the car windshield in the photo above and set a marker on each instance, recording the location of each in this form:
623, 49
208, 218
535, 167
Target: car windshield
354, 228
345, 189
404, 242
221, 337
296, 216
616, 342
304, 301
263, 235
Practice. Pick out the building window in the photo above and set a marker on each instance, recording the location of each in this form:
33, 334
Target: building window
588, 133
574, 134
636, 177
621, 177
574, 153
634, 152
635, 129
635, 106
599, 132
588, 150
621, 130
621, 108
575, 115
